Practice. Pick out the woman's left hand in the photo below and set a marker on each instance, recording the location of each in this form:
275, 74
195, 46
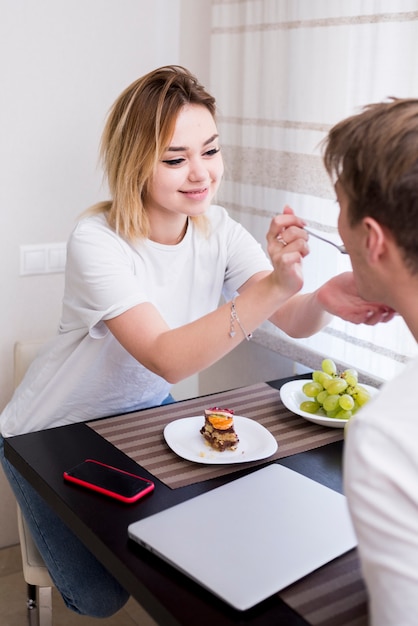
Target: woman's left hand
339, 297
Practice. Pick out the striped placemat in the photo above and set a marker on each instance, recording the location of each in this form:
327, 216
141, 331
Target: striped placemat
334, 595
140, 434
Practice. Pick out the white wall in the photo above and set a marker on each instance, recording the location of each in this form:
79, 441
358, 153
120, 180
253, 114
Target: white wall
248, 364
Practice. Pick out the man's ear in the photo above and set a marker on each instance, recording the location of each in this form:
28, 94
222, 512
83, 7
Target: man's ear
375, 239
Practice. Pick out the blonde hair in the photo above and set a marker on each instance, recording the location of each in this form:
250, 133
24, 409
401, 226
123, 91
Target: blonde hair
139, 127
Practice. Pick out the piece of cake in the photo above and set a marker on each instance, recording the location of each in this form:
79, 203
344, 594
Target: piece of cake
218, 429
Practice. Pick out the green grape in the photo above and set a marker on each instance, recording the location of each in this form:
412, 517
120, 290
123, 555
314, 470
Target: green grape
333, 413
311, 389
351, 376
329, 367
309, 406
325, 379
343, 415
346, 402
361, 395
338, 385
331, 402
321, 396
316, 376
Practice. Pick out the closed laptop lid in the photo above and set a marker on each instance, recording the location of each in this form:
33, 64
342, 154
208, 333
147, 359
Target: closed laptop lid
252, 537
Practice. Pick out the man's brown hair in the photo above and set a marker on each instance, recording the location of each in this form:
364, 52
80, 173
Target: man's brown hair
374, 157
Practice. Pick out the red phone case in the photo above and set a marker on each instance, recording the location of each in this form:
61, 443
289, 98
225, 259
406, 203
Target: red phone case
85, 482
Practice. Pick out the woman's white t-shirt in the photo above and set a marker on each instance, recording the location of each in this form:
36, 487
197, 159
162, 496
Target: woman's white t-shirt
84, 372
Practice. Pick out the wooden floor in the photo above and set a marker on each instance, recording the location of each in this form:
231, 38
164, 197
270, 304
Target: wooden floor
13, 601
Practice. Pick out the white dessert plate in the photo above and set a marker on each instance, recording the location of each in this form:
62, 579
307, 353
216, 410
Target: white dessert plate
184, 438
292, 395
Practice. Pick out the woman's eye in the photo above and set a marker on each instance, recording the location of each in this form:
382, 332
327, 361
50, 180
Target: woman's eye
181, 160
212, 152
173, 161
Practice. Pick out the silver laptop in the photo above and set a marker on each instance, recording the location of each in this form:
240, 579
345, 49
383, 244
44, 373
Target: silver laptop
252, 537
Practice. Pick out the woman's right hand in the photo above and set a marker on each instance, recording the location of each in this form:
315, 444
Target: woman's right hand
287, 245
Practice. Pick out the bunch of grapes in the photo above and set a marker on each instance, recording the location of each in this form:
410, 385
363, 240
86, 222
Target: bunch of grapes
334, 394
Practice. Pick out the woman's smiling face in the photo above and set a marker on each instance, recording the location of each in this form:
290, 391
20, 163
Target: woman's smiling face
189, 173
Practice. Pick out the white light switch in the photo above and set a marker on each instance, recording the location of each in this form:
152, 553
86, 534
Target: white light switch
56, 256
33, 260
42, 259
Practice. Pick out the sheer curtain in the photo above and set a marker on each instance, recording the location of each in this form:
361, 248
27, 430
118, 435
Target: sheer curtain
283, 72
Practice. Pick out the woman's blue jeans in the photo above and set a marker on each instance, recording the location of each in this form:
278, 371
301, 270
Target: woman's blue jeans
85, 585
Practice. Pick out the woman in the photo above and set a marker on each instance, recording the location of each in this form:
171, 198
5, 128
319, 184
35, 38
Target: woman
144, 277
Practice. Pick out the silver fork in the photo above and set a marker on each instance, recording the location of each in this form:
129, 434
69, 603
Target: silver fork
340, 247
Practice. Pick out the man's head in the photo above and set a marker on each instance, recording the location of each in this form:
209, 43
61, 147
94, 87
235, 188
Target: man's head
373, 158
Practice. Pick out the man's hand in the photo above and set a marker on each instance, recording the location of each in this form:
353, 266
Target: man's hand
339, 297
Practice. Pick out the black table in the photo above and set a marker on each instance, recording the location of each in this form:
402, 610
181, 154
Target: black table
170, 597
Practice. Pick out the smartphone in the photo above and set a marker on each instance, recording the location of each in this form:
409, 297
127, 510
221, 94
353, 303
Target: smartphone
109, 481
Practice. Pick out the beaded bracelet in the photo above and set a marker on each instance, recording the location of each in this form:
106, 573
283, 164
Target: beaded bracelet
234, 318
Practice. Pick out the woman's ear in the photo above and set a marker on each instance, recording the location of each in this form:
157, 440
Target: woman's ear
375, 239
